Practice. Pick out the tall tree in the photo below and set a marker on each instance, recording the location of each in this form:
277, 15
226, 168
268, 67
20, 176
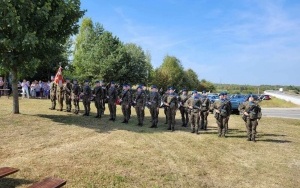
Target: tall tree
170, 73
29, 30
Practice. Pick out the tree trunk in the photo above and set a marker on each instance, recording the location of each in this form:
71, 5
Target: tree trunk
15, 92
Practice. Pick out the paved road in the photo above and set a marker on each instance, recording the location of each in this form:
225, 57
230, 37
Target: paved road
293, 113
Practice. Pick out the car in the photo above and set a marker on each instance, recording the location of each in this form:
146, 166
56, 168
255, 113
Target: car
236, 100
265, 97
212, 98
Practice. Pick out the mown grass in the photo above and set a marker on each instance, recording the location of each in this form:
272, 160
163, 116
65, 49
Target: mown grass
89, 152
277, 103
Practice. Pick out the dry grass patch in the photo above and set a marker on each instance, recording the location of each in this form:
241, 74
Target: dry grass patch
277, 103
89, 152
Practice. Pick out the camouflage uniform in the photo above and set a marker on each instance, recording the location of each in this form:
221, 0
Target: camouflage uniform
60, 97
164, 97
98, 92
86, 99
194, 104
68, 90
172, 103
104, 98
76, 96
183, 109
153, 103
221, 116
112, 99
251, 120
126, 101
227, 119
140, 100
53, 88
205, 104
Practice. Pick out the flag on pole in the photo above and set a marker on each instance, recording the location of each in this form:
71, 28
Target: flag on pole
59, 80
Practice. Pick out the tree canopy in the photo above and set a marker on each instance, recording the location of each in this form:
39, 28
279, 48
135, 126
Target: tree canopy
32, 31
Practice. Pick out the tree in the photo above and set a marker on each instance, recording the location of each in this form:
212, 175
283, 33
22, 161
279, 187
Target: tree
191, 79
29, 30
170, 73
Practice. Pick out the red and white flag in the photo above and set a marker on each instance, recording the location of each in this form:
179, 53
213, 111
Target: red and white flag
59, 80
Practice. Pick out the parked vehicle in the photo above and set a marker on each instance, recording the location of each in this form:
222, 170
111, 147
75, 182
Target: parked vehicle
236, 100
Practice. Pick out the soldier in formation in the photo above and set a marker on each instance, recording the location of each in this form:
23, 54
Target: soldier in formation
125, 100
204, 110
76, 96
251, 115
183, 108
221, 108
112, 99
140, 102
68, 92
53, 88
86, 98
153, 103
171, 103
60, 96
194, 105
230, 109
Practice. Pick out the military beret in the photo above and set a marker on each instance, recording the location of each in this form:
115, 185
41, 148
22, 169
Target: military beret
171, 88
222, 93
125, 85
74, 80
153, 86
112, 82
184, 89
97, 82
86, 81
195, 91
139, 87
225, 93
203, 91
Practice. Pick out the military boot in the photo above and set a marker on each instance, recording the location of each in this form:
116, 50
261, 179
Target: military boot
197, 131
193, 130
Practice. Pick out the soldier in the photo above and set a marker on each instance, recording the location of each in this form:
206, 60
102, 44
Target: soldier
125, 100
104, 96
153, 103
130, 104
140, 102
60, 96
251, 115
86, 98
205, 104
53, 88
182, 107
171, 102
98, 95
221, 112
194, 104
76, 96
68, 90
165, 107
112, 99
230, 109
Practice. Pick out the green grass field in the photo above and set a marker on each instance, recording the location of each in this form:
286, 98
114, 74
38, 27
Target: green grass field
277, 103
90, 152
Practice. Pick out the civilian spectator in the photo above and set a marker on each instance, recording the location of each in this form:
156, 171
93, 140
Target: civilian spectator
25, 91
46, 87
1, 86
32, 90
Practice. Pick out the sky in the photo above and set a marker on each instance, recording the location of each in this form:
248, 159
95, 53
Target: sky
251, 42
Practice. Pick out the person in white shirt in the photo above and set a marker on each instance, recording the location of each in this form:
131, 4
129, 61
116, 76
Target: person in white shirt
25, 91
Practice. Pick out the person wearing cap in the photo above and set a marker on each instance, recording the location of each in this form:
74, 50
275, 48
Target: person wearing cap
112, 95
205, 104
68, 91
153, 103
221, 108
98, 93
53, 88
76, 96
171, 102
104, 96
251, 114
194, 105
140, 102
183, 108
125, 100
86, 98
164, 97
60, 96
230, 109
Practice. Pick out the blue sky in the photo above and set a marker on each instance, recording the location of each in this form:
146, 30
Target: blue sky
223, 41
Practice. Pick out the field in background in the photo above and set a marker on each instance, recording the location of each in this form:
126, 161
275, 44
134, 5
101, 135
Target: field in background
277, 103
89, 152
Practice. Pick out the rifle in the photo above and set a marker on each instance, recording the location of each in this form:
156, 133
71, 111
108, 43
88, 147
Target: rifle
182, 102
217, 115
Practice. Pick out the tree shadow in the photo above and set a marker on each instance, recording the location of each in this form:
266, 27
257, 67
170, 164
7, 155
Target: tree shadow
265, 134
13, 182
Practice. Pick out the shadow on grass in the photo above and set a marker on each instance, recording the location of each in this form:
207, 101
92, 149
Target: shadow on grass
103, 125
13, 182
274, 141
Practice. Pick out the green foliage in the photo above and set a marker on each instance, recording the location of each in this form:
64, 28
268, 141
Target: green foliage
100, 55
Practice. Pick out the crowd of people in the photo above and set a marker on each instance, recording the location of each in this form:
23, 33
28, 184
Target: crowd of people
35, 89
194, 108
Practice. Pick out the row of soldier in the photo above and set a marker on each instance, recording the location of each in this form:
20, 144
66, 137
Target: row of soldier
194, 108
